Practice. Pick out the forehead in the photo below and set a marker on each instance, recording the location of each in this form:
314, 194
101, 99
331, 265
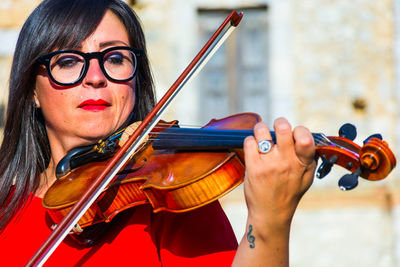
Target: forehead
110, 29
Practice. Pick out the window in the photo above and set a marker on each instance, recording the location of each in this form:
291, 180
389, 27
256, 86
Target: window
236, 79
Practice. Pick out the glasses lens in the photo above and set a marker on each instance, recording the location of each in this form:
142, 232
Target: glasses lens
120, 64
66, 67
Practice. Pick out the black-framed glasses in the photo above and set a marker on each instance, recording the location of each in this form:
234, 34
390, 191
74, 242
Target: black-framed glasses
69, 67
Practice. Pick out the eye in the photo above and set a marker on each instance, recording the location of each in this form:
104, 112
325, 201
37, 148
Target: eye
115, 58
67, 61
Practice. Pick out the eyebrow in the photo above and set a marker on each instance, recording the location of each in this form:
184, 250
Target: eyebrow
106, 44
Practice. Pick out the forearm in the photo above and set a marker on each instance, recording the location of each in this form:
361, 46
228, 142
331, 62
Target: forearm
274, 184
263, 246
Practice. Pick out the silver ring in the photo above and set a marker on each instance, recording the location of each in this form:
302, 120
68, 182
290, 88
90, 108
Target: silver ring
264, 146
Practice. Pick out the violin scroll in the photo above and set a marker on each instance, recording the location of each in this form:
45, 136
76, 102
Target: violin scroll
377, 160
373, 161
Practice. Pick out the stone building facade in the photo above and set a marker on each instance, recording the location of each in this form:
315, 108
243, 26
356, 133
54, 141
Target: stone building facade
318, 63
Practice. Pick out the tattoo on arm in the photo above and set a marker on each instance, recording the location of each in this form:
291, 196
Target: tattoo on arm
251, 237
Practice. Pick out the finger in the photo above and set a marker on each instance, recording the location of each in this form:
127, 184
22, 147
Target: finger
131, 128
250, 146
261, 132
125, 135
284, 136
304, 145
251, 153
128, 132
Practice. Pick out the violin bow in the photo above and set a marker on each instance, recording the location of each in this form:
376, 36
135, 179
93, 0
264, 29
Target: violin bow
134, 141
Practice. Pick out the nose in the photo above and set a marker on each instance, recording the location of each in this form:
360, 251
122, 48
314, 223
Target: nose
95, 76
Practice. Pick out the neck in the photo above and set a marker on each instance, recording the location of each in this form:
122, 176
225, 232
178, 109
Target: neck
209, 139
47, 178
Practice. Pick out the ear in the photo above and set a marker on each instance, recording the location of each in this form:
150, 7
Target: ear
36, 100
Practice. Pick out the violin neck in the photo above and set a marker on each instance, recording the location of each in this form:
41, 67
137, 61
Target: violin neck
205, 139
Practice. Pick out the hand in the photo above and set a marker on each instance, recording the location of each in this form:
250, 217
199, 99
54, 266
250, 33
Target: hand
275, 181
128, 132
274, 184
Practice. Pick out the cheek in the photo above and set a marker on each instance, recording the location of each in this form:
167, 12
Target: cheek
130, 101
53, 103
46, 91
56, 108
50, 99
127, 98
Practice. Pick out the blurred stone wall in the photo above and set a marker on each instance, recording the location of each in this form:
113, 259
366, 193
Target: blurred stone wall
12, 15
344, 58
331, 62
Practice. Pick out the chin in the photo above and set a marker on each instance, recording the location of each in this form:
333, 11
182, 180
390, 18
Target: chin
96, 134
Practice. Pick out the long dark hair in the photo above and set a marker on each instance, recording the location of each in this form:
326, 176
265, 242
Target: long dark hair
54, 24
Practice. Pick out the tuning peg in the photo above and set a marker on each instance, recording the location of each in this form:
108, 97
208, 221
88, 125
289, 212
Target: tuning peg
348, 131
349, 181
379, 136
326, 166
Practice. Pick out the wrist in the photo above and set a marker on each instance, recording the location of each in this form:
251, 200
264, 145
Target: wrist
270, 227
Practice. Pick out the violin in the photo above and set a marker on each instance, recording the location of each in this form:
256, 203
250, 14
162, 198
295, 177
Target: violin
181, 169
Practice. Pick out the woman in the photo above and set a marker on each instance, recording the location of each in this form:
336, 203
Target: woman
59, 100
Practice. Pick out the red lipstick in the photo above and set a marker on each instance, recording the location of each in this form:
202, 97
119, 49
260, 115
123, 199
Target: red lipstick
94, 105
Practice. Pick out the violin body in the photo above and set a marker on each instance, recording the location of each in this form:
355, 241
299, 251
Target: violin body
180, 172
168, 179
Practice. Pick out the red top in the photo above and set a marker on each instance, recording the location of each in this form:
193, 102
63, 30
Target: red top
136, 237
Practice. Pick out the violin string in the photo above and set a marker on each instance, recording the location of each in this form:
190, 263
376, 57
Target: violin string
323, 140
318, 136
232, 136
326, 142
167, 125
200, 134
320, 139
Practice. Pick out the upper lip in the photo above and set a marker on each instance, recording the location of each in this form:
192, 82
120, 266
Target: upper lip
94, 102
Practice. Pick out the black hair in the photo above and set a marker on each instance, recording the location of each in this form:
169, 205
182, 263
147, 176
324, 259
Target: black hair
54, 24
